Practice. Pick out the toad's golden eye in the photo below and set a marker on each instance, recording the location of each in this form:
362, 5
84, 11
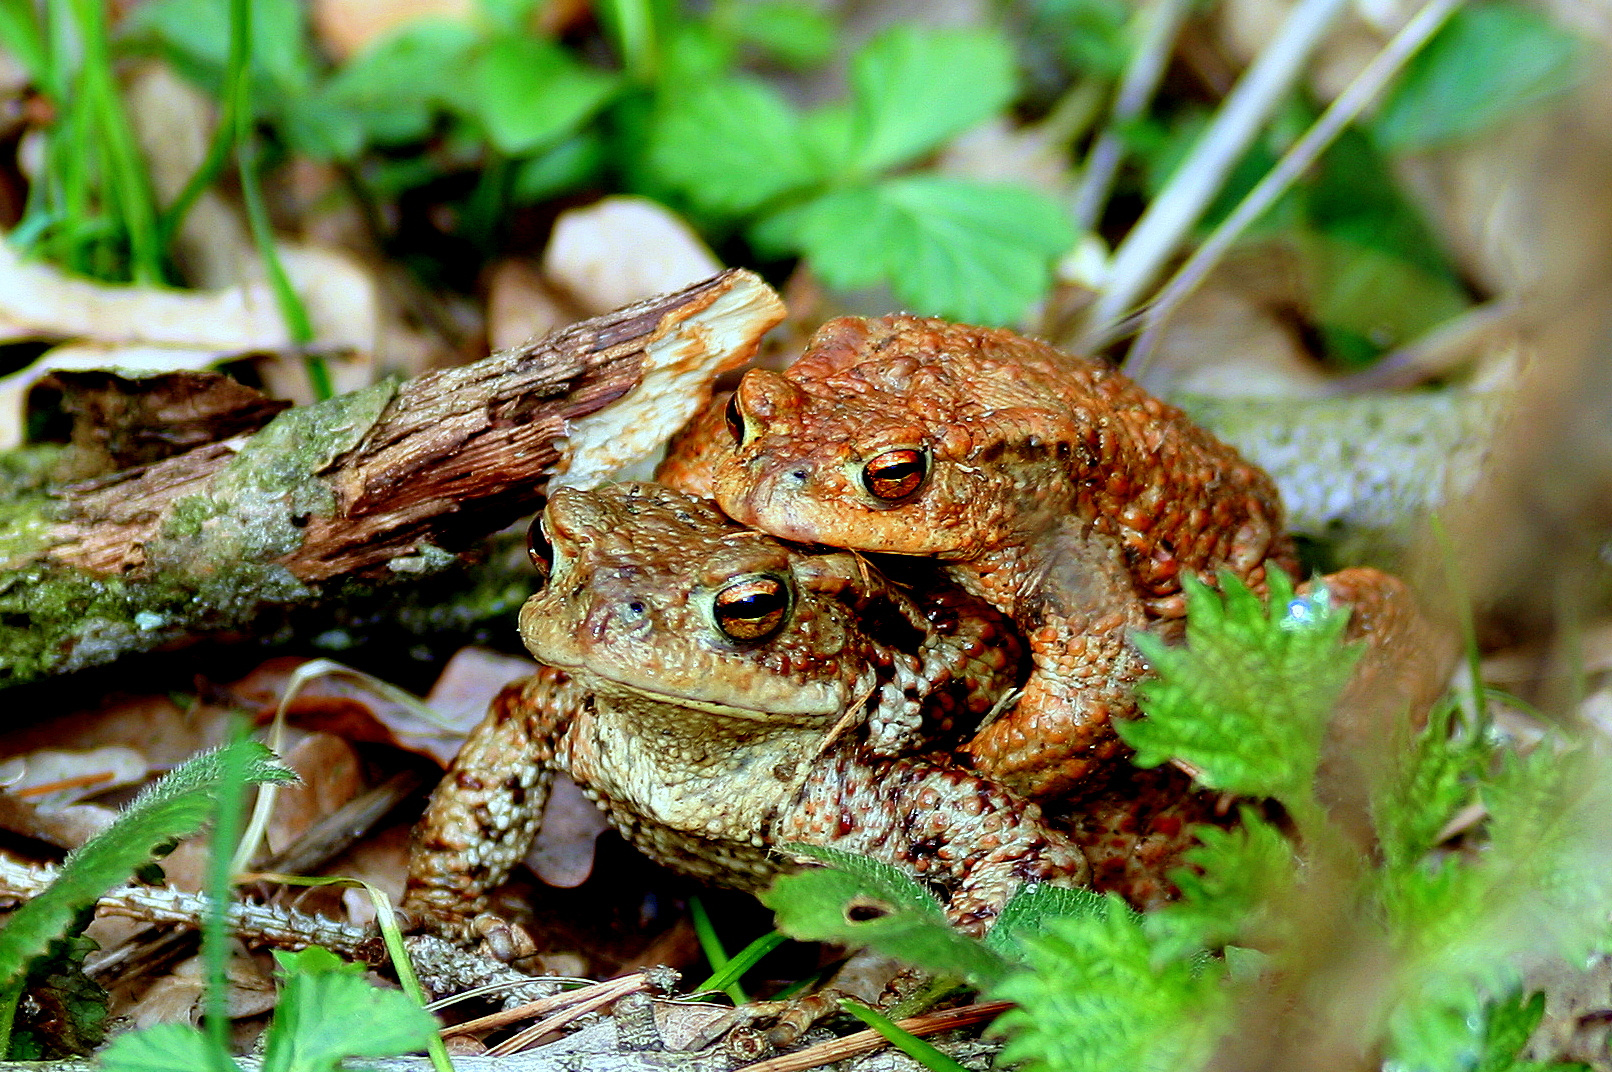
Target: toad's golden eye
895, 474
735, 420
752, 609
538, 547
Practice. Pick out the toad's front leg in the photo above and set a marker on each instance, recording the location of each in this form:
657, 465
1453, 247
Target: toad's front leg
936, 822
485, 812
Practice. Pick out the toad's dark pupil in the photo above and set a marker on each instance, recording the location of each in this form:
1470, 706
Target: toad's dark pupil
538, 547
895, 474
753, 609
735, 421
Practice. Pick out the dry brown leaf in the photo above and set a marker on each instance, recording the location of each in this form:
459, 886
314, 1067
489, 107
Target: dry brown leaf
330, 777
155, 329
53, 777
382, 860
469, 682
562, 853
350, 706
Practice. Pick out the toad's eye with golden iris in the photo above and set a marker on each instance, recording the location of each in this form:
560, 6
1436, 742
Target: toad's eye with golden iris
735, 420
539, 548
752, 609
895, 474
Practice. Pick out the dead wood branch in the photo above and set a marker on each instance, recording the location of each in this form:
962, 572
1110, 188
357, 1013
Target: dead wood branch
393, 480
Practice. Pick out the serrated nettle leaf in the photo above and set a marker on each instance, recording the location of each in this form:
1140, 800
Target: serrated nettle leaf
976, 252
1032, 911
1479, 1023
329, 1012
175, 806
913, 89
164, 1048
1489, 62
730, 146
1550, 849
531, 92
1101, 997
1228, 883
874, 878
831, 905
1432, 779
1246, 700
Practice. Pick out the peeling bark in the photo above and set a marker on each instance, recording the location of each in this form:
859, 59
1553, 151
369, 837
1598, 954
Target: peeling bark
393, 480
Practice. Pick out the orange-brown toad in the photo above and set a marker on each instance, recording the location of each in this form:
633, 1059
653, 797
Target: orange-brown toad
1056, 488
721, 695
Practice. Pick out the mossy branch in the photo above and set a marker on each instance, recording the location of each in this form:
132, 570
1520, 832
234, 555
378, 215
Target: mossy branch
392, 481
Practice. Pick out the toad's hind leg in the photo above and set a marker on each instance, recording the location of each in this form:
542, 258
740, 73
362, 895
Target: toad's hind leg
485, 812
938, 823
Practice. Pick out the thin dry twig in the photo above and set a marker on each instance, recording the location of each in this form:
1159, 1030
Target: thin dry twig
1194, 183
933, 1023
1303, 153
602, 994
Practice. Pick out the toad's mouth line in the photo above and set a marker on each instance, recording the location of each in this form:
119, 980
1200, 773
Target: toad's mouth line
786, 716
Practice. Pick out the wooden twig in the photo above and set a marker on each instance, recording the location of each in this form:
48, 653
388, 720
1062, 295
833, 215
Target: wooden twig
933, 1023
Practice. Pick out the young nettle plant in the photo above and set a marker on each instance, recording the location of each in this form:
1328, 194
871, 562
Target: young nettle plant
1284, 941
327, 1012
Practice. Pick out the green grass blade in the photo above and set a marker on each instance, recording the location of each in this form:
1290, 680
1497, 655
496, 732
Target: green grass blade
727, 977
223, 140
905, 1041
711, 946
220, 882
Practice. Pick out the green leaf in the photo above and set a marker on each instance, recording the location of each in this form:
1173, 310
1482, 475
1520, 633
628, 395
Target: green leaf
1367, 300
875, 878
1457, 1027
730, 146
1090, 35
1034, 909
530, 93
197, 34
395, 86
328, 1012
560, 169
1489, 62
914, 89
949, 247
870, 903
1100, 997
1229, 883
1246, 700
1432, 779
174, 807
164, 1048
793, 33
